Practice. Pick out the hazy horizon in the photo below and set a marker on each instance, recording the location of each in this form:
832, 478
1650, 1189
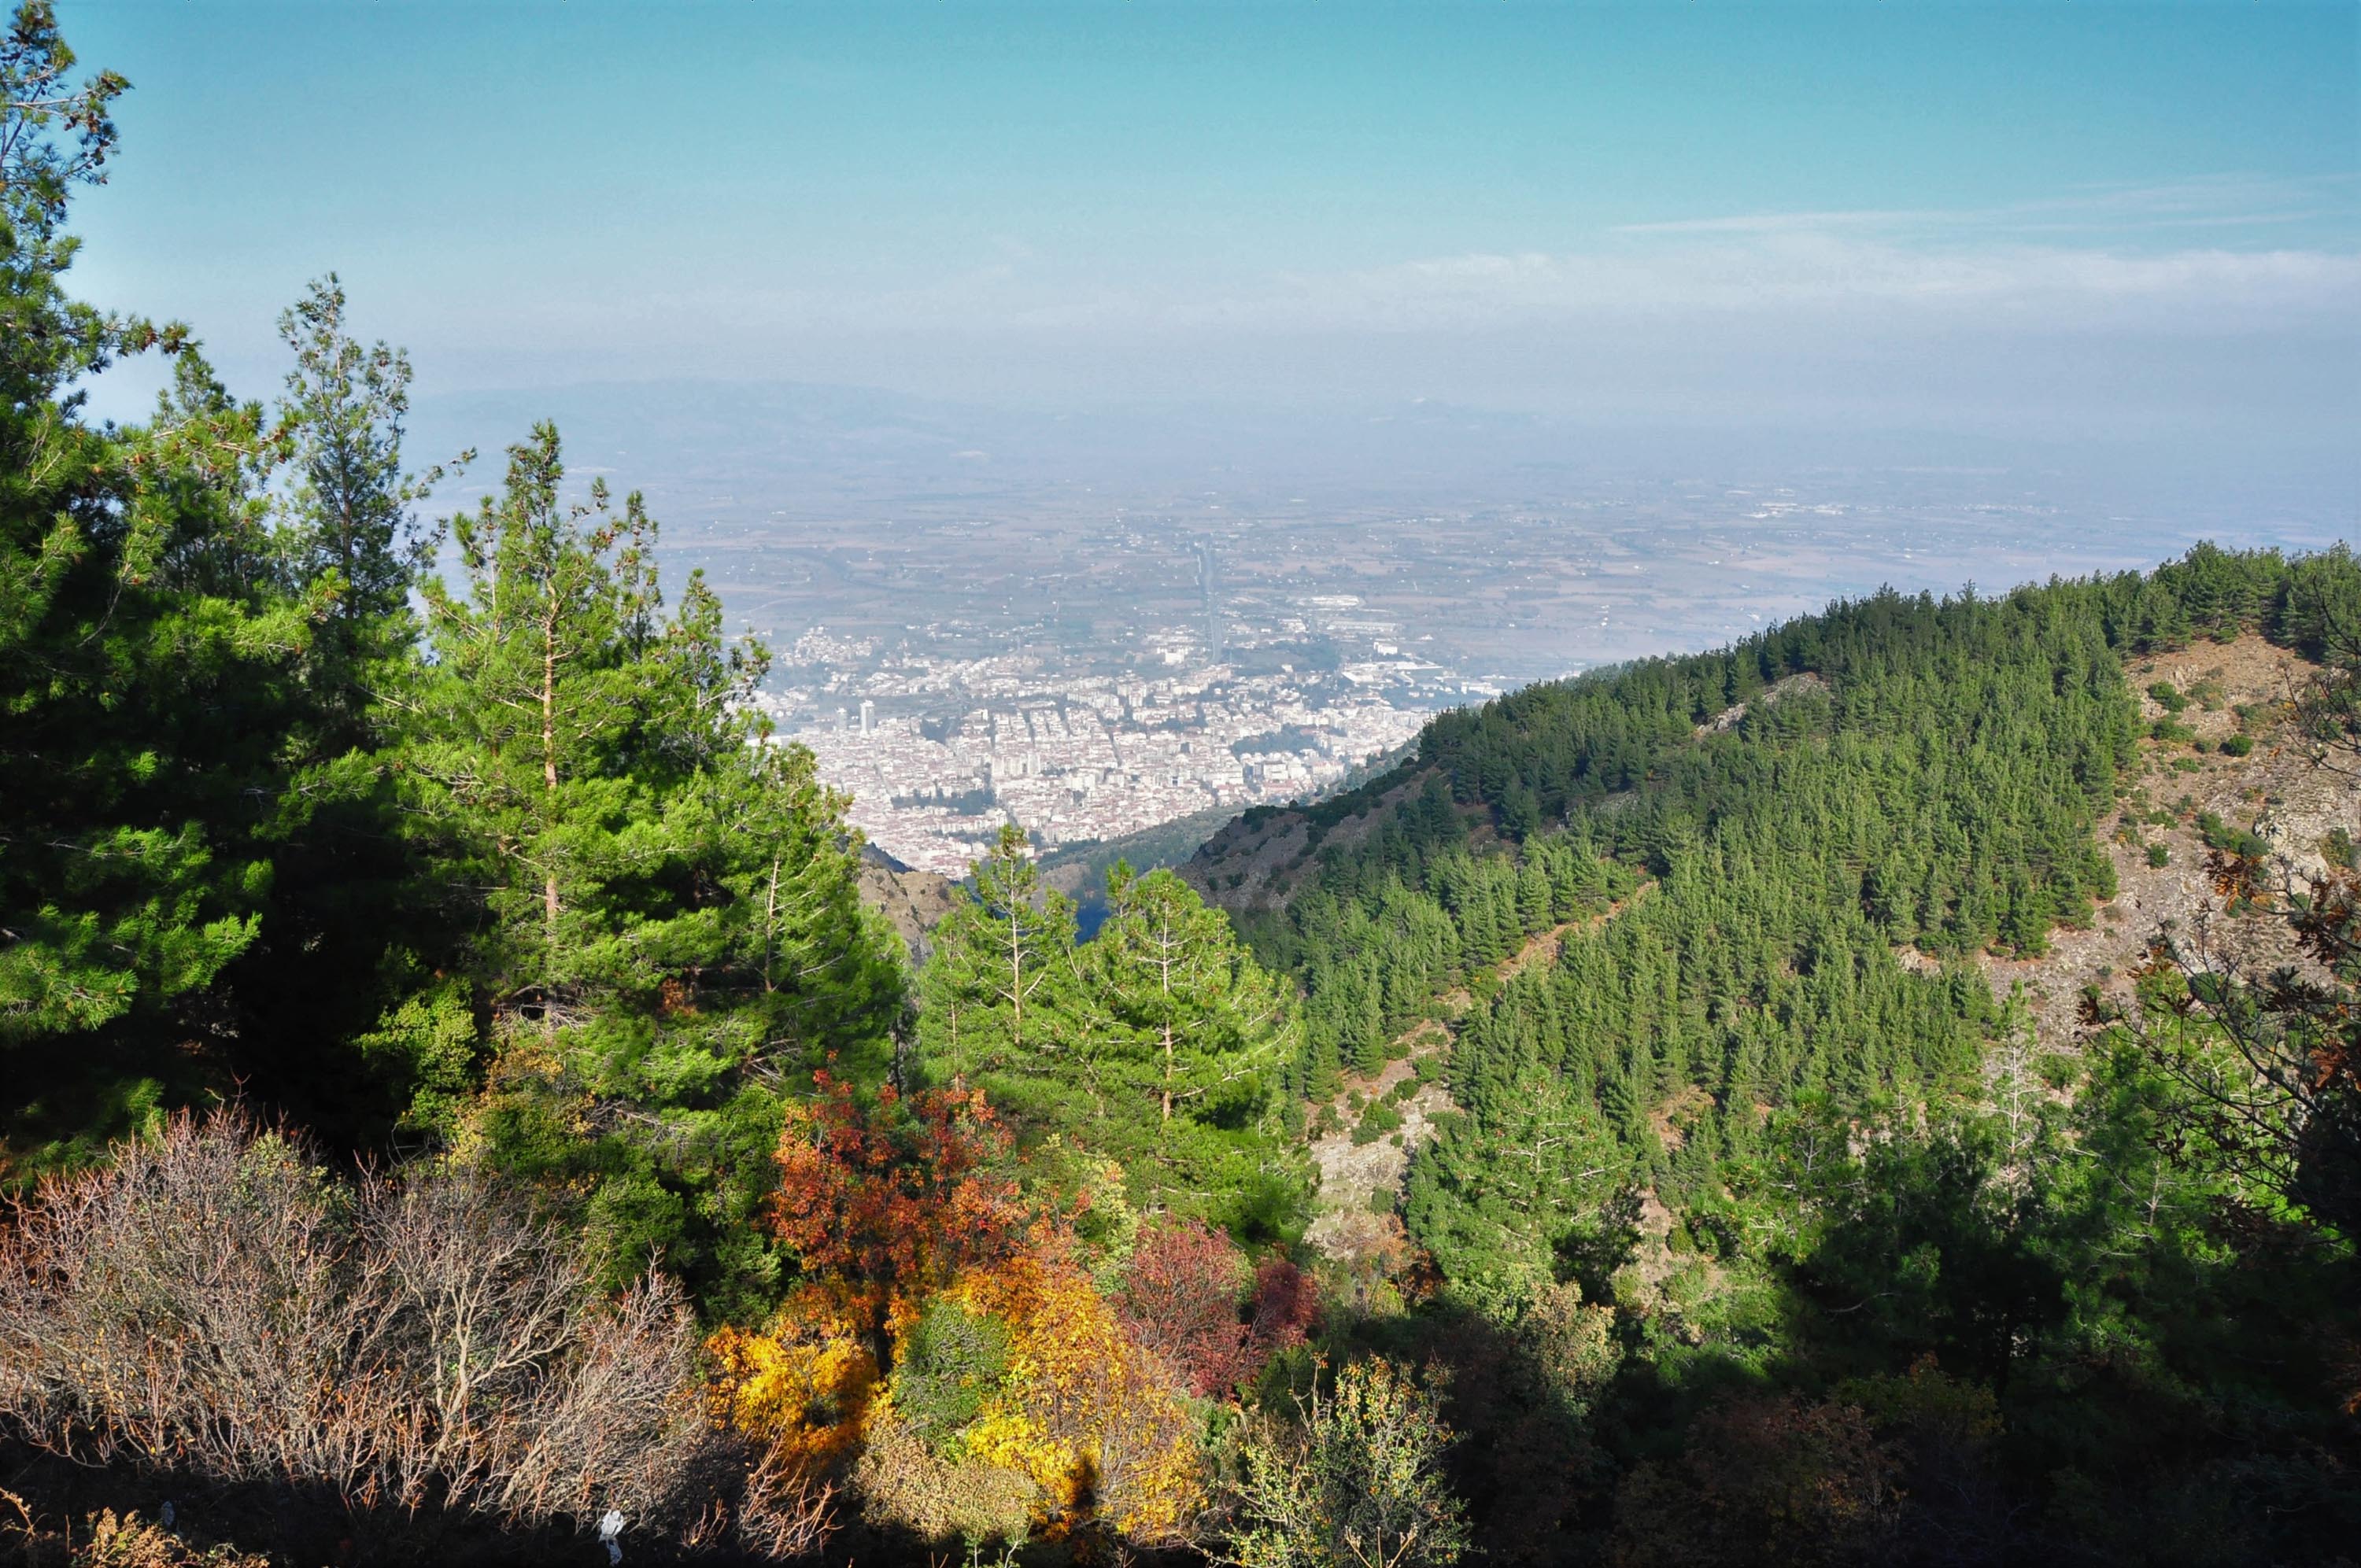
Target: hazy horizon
2136, 227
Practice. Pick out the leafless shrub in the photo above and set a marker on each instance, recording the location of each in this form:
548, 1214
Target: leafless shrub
211, 1301
787, 1512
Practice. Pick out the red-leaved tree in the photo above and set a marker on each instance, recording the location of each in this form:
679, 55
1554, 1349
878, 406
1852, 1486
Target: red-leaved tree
1189, 1297
1286, 1309
1181, 1299
886, 1201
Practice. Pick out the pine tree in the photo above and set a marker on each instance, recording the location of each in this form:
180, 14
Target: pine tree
1189, 1034
347, 515
669, 938
149, 665
996, 996
352, 931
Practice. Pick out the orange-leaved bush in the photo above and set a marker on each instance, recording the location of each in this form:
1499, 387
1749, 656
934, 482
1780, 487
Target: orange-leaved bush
803, 1383
883, 1202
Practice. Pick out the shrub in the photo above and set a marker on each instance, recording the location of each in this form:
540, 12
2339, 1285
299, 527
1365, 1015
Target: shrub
904, 1482
1763, 1480
1376, 1123
1572, 1346
1190, 1299
1286, 1310
2237, 745
211, 1302
1183, 1299
953, 1363
1092, 1417
2159, 855
2167, 697
1357, 1479
107, 1541
891, 1198
802, 1385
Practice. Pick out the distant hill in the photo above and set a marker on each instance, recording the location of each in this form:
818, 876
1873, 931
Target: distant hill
913, 900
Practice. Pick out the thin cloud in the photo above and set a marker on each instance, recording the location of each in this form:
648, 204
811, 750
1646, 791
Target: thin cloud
2000, 269
2205, 202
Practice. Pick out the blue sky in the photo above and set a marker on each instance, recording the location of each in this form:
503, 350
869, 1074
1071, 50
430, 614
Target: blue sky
2050, 217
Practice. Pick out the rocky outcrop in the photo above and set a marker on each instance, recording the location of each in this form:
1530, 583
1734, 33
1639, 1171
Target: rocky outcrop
914, 902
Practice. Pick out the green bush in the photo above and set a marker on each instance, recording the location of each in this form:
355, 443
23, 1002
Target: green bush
1358, 1477
2237, 745
951, 1363
1376, 1123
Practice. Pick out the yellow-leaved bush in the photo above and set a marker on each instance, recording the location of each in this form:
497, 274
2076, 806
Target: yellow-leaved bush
1082, 1429
1098, 1422
805, 1383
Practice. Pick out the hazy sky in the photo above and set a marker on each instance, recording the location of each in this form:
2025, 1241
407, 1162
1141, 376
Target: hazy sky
2055, 219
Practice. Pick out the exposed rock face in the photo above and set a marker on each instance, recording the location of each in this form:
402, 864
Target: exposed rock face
1262, 858
2279, 791
1728, 717
913, 900
1352, 1174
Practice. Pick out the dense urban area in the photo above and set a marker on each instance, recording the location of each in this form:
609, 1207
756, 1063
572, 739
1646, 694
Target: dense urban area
940, 753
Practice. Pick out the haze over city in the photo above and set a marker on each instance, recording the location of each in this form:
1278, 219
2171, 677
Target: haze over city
1296, 375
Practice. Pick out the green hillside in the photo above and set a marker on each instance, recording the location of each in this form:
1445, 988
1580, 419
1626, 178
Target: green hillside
1773, 1112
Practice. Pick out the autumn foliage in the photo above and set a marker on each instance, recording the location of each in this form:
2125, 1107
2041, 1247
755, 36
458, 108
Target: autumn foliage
949, 1356
885, 1201
1091, 1416
1191, 1297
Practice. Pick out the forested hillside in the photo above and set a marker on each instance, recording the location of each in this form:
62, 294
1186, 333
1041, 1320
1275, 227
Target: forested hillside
1774, 1114
455, 1103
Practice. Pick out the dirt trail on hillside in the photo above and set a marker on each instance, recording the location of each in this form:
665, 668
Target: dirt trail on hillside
1351, 1174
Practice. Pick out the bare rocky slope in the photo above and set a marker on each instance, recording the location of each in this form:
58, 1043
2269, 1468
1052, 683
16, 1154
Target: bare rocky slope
914, 902
2277, 791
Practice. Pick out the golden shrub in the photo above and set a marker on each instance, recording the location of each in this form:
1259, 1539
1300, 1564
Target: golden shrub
1098, 1424
804, 1384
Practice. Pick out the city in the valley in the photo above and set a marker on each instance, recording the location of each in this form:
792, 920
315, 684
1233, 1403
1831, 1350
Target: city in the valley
937, 753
